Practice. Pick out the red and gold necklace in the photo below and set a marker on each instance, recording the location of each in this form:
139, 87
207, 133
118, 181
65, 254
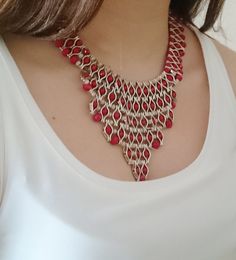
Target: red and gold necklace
133, 114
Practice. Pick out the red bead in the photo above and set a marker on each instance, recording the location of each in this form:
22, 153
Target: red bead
146, 154
131, 90
168, 123
160, 102
86, 51
170, 77
161, 118
181, 52
85, 74
121, 133
109, 78
69, 43
144, 122
108, 130
136, 106
104, 111
145, 106
102, 73
86, 60
142, 177
173, 104
179, 77
74, 59
79, 42
129, 153
140, 138
97, 117
87, 86
156, 144
112, 96
102, 91
76, 50
144, 169
114, 139
173, 94
66, 51
117, 115
145, 90
160, 135
167, 99
118, 82
94, 83
139, 91
94, 67
59, 43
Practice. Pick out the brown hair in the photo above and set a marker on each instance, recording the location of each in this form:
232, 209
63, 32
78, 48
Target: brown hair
45, 18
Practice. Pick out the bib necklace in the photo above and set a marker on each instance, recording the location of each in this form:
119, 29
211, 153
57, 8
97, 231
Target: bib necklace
133, 114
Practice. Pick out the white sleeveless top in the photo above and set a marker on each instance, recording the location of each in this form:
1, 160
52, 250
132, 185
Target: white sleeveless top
54, 207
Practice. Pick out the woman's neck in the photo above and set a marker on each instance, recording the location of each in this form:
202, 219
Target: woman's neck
129, 35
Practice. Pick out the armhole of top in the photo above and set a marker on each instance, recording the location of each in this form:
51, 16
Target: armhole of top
231, 92
2, 163
2, 143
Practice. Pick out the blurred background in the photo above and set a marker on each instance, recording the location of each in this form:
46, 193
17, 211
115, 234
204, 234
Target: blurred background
226, 35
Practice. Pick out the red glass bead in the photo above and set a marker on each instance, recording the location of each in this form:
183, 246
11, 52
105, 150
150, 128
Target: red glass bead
139, 137
173, 94
146, 153
95, 104
94, 67
139, 91
87, 86
76, 50
66, 51
112, 96
108, 130
129, 153
155, 144
109, 78
160, 102
97, 117
131, 90
114, 139
59, 43
121, 133
74, 59
69, 43
102, 91
142, 177
173, 104
145, 106
161, 118
104, 111
160, 135
93, 83
144, 122
144, 169
102, 73
117, 115
79, 42
86, 60
168, 123
86, 51
136, 106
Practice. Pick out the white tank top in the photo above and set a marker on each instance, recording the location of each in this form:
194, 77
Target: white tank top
54, 207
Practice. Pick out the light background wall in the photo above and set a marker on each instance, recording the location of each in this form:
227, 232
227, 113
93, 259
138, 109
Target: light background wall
228, 22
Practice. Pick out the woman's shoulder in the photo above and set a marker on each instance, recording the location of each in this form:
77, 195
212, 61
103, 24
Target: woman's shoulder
229, 57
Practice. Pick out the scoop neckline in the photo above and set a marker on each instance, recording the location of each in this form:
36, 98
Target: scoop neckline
83, 170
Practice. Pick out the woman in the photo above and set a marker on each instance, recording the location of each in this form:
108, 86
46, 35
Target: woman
148, 169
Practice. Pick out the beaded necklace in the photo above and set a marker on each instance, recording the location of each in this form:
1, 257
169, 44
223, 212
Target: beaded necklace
133, 114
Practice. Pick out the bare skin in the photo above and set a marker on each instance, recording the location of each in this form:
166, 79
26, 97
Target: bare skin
132, 42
